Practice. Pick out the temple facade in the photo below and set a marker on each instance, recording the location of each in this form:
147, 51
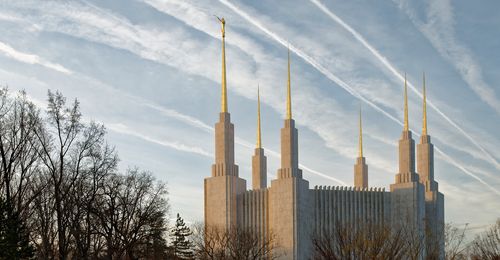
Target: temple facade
293, 211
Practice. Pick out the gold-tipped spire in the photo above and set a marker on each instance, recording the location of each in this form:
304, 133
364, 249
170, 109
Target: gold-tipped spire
288, 97
424, 119
360, 140
259, 140
406, 127
224, 86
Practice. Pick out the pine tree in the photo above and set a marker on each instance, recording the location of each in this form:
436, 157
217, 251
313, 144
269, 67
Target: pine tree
14, 236
181, 247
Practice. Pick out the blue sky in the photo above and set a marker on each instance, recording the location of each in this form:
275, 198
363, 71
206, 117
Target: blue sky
150, 71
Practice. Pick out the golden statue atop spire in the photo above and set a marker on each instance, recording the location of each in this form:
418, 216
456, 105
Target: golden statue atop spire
360, 140
224, 86
406, 127
259, 141
288, 97
424, 119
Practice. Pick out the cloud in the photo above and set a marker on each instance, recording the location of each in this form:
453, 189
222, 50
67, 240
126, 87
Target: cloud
197, 18
486, 90
251, 57
123, 129
345, 86
439, 30
94, 24
189, 120
10, 52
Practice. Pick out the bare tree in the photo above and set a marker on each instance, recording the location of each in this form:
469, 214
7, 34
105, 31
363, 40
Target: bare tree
58, 137
455, 242
18, 150
42, 222
367, 240
94, 165
487, 244
131, 212
60, 186
18, 166
236, 243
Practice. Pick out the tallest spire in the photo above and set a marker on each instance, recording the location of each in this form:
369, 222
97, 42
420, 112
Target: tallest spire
259, 140
288, 94
406, 127
424, 119
360, 140
224, 87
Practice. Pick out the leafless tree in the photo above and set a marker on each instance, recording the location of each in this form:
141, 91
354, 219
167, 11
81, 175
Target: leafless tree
454, 242
236, 243
131, 213
59, 174
59, 137
94, 165
18, 151
18, 168
487, 244
367, 240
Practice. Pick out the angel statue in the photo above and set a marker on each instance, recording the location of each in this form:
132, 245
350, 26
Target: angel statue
223, 23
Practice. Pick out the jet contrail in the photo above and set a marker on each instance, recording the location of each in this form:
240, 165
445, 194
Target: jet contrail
456, 164
278, 155
338, 81
123, 129
398, 75
200, 125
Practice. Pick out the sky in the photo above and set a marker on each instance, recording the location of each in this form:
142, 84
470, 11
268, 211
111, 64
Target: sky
150, 71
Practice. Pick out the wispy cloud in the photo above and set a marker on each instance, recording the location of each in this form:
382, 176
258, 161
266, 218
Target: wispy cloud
342, 84
28, 58
438, 28
486, 90
137, 39
187, 36
192, 121
123, 129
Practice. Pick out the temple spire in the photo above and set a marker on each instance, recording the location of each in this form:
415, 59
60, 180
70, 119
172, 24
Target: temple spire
360, 140
360, 168
259, 140
224, 83
259, 160
289, 140
424, 119
288, 97
406, 127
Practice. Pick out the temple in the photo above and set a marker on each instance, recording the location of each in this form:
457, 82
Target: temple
292, 211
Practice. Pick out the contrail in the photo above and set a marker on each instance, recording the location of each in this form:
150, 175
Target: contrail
304, 167
29, 58
198, 124
398, 75
459, 166
119, 128
337, 80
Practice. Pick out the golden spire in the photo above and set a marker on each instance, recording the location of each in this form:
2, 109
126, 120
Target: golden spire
360, 151
224, 87
424, 119
406, 128
259, 141
289, 99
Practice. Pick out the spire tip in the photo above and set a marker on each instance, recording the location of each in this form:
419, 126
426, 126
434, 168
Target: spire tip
224, 83
289, 99
406, 127
259, 140
424, 109
360, 140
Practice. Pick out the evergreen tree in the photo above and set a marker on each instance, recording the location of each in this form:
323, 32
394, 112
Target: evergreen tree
181, 247
14, 236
